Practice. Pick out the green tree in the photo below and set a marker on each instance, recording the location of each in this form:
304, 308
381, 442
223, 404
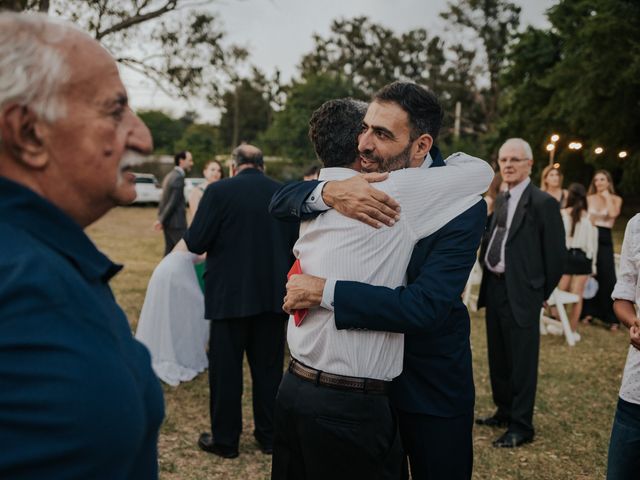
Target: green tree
288, 134
495, 24
202, 140
246, 114
181, 51
369, 55
580, 78
166, 131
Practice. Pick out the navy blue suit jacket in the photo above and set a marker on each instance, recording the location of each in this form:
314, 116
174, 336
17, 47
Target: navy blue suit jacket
437, 377
248, 251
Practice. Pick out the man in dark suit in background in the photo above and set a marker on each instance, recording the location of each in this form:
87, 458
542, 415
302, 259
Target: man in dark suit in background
248, 257
434, 395
523, 254
172, 215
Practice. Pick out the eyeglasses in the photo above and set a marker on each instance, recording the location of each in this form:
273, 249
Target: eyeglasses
505, 160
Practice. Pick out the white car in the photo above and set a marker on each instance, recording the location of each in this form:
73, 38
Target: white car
147, 189
190, 184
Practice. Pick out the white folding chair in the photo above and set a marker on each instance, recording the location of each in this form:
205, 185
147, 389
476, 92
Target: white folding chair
560, 299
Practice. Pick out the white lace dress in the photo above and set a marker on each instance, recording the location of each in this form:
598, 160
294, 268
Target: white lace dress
172, 323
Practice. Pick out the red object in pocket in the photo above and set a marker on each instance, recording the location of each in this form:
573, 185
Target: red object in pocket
298, 315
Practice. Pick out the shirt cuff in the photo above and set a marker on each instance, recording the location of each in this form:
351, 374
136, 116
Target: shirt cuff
314, 202
328, 293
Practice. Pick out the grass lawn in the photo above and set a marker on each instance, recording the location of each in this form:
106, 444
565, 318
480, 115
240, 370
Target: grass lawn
577, 388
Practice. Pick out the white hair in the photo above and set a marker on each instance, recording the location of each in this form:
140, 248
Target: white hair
523, 144
32, 67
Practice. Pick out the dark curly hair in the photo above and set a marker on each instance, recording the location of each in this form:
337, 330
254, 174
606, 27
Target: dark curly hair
422, 106
334, 129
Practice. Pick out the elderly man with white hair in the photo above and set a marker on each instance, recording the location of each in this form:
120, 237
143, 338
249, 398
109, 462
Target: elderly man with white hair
523, 254
78, 397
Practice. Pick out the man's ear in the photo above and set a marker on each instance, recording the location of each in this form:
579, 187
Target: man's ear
22, 136
423, 144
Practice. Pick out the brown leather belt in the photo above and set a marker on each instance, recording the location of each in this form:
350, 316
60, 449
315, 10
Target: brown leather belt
342, 382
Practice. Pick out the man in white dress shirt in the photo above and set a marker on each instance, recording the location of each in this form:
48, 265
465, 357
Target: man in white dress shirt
333, 418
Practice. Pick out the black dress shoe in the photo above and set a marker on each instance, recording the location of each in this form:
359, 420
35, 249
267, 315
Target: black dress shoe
513, 439
205, 442
493, 421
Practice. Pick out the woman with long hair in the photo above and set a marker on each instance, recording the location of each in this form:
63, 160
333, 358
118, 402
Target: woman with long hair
551, 182
582, 244
604, 208
212, 172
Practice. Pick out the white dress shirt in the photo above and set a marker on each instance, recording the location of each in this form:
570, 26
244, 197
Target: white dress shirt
515, 195
315, 202
334, 246
329, 291
628, 288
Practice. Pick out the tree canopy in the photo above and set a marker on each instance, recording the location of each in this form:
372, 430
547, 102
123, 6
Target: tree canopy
580, 79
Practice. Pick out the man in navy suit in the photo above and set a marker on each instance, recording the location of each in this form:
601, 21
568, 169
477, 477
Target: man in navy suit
248, 256
434, 396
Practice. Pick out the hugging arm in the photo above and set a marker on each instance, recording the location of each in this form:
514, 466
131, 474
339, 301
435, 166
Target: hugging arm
353, 197
424, 304
288, 202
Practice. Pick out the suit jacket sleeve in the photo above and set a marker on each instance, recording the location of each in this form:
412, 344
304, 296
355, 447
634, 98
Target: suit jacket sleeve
207, 223
286, 204
424, 305
554, 247
176, 196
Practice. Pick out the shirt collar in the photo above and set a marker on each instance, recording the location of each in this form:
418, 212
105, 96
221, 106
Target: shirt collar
516, 192
336, 173
26, 210
249, 171
180, 170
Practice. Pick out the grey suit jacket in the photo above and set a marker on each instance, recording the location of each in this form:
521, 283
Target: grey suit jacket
171, 211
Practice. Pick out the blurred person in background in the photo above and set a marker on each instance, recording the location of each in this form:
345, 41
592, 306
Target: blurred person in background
495, 188
582, 244
551, 182
624, 446
212, 172
248, 257
172, 324
78, 398
172, 216
604, 208
523, 255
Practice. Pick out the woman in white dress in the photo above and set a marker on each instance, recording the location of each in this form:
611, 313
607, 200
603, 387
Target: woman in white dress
582, 245
172, 323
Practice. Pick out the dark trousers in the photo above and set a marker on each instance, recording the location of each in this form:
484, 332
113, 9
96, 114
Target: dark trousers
328, 434
438, 448
171, 237
513, 358
624, 447
601, 306
262, 337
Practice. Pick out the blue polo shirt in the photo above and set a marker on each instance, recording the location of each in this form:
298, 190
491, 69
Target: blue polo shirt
78, 397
